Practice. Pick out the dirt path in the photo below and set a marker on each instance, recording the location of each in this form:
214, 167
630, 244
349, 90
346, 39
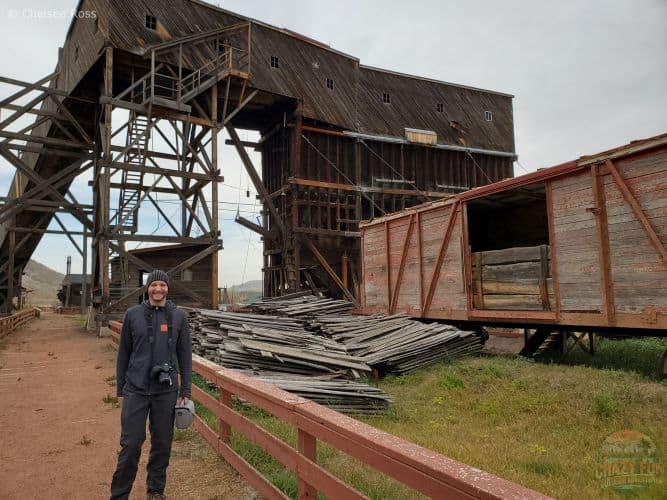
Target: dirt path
60, 438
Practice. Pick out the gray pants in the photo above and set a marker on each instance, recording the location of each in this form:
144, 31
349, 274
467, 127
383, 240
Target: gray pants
159, 408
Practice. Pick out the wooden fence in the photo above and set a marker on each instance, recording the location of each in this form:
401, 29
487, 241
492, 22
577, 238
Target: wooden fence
419, 468
10, 323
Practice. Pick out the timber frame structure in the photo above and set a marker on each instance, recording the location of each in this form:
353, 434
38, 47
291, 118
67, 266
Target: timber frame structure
138, 100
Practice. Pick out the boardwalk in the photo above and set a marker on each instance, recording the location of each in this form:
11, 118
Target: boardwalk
60, 438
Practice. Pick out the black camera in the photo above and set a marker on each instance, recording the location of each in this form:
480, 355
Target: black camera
161, 372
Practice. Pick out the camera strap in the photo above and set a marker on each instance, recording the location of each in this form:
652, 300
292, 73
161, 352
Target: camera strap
148, 315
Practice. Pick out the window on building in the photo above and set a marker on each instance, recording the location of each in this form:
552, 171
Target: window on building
488, 116
151, 22
330, 83
186, 275
440, 107
274, 62
76, 52
385, 98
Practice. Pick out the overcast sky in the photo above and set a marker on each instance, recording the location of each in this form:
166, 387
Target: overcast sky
586, 75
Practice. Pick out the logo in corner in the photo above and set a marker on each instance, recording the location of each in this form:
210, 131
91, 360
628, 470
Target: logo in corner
629, 460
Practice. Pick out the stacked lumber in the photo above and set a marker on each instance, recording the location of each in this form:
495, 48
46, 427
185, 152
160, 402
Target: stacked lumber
300, 305
347, 396
273, 343
397, 343
512, 279
280, 351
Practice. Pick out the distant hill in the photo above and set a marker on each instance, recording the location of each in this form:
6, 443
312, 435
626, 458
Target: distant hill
44, 283
248, 286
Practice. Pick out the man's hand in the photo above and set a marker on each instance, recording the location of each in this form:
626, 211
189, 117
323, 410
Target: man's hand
182, 401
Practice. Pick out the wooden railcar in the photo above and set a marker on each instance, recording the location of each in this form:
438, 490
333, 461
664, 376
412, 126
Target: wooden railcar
580, 246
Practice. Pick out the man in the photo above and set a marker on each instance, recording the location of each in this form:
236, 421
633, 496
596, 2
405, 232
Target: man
154, 344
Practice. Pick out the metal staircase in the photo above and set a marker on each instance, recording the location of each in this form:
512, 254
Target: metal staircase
138, 137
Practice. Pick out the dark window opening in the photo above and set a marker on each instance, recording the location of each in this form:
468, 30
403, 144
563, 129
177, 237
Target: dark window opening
274, 62
488, 116
385, 98
440, 107
76, 52
330, 83
151, 22
509, 239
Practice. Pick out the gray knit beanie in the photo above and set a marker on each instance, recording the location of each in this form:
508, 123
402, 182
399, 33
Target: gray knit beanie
157, 275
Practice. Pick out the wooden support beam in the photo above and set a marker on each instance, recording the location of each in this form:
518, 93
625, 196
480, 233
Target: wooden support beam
401, 268
441, 256
37, 179
604, 259
213, 219
254, 227
27, 88
323, 262
255, 178
637, 209
164, 171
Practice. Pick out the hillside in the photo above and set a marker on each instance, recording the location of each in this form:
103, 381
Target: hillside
248, 286
44, 283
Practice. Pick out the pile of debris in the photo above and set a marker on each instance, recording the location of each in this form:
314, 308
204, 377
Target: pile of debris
397, 344
315, 348
280, 351
301, 305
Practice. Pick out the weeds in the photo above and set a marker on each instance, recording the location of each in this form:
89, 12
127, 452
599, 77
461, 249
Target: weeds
449, 381
605, 406
85, 441
111, 400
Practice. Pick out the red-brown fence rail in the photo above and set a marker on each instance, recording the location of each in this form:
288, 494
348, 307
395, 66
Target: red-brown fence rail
419, 468
10, 323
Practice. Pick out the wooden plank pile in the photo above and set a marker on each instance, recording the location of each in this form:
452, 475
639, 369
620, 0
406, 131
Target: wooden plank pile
314, 348
280, 351
347, 396
512, 279
273, 343
397, 343
300, 305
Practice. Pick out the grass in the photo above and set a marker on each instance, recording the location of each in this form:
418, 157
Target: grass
540, 425
642, 355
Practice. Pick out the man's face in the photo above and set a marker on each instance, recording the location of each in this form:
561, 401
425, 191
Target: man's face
157, 291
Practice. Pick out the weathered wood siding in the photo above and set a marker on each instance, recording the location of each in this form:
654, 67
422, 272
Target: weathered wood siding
575, 226
639, 275
385, 243
450, 291
375, 268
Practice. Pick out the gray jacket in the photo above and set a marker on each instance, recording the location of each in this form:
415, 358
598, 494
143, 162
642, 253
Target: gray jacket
145, 343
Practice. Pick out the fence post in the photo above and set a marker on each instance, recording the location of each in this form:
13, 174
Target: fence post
225, 432
307, 446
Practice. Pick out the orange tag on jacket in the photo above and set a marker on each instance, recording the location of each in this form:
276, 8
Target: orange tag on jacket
164, 328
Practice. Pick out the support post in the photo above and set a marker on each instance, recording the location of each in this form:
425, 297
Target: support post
307, 446
84, 272
214, 195
11, 270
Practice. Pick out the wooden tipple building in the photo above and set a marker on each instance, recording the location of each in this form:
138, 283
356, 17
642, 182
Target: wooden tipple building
142, 90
